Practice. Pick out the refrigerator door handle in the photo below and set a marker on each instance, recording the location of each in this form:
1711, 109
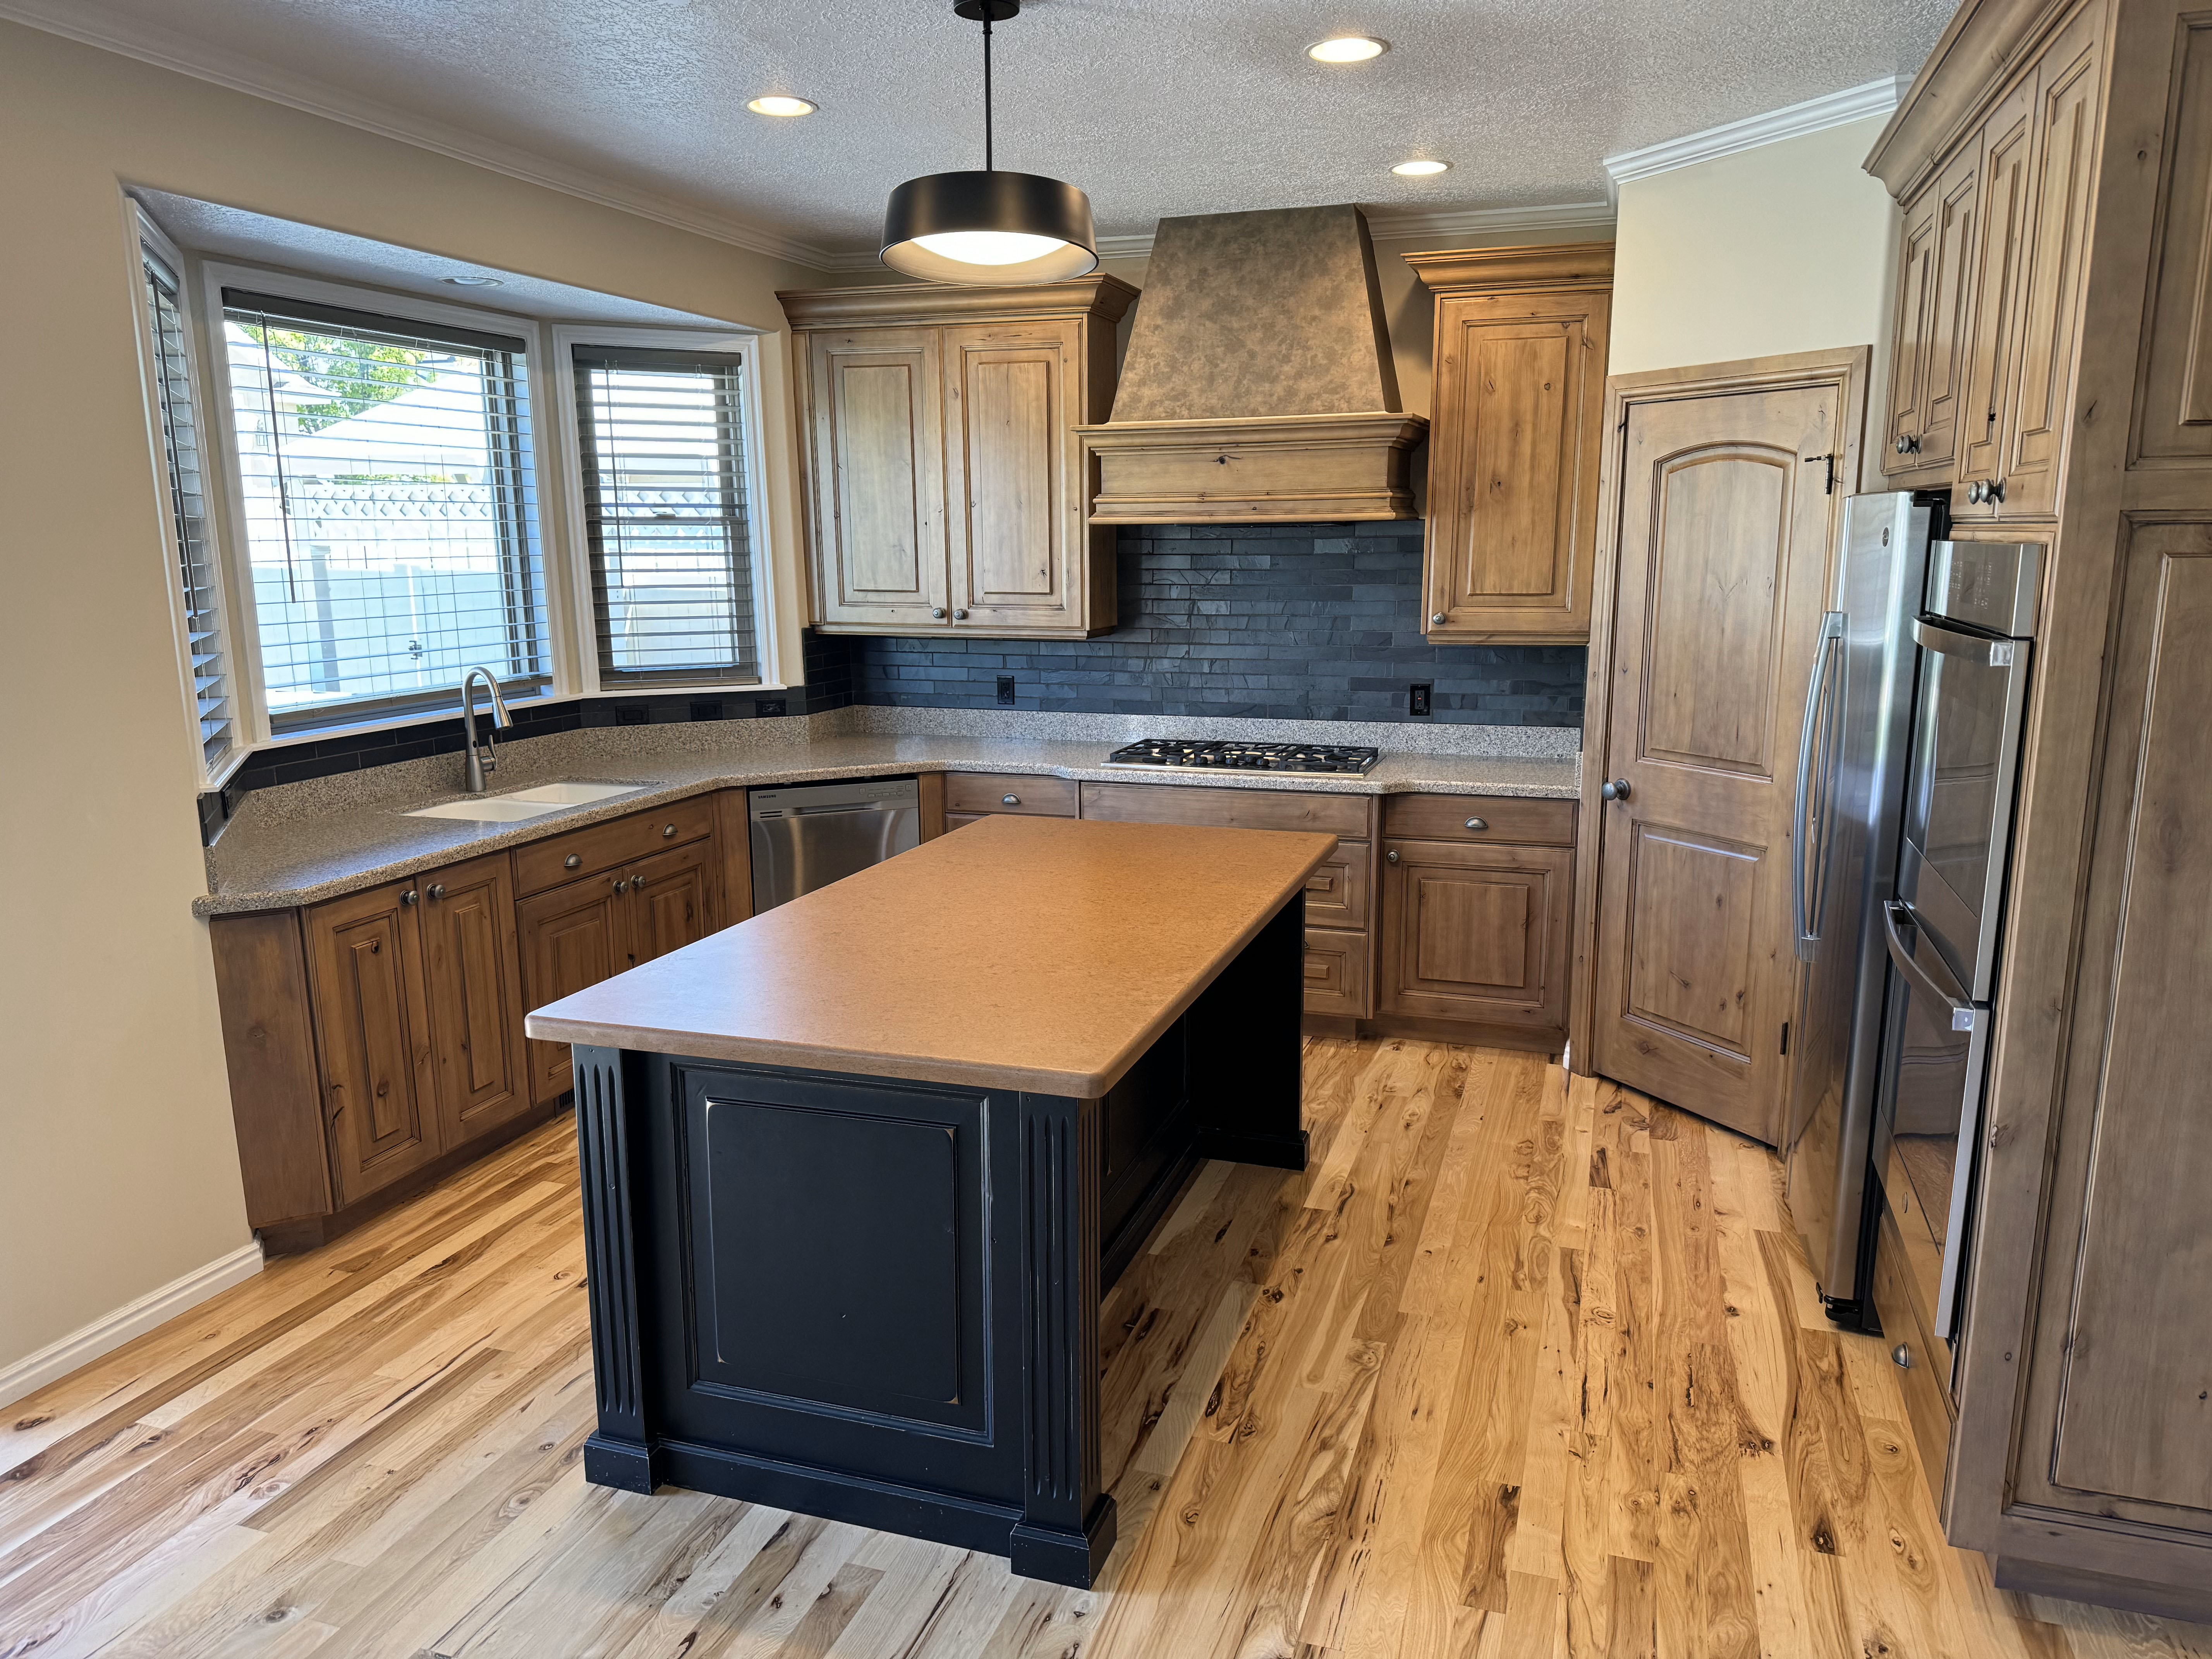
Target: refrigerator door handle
1896, 915
1816, 702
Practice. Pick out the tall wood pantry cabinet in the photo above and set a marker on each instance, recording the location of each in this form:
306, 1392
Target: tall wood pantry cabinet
2051, 367
945, 487
1514, 440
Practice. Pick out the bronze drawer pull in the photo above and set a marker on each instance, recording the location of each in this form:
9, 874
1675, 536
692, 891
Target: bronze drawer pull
1010, 800
668, 832
573, 862
1478, 823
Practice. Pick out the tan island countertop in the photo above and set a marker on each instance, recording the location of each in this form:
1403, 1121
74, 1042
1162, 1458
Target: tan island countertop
1030, 953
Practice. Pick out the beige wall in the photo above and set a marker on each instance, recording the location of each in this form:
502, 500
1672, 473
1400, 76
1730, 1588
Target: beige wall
117, 1153
1786, 247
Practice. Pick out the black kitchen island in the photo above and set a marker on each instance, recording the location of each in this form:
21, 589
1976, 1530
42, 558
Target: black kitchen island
856, 1172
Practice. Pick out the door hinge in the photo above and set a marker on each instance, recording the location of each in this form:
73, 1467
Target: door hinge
1830, 458
1785, 1037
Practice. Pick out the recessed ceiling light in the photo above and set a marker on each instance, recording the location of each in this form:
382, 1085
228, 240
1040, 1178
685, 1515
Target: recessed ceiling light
1346, 49
472, 281
1418, 169
777, 104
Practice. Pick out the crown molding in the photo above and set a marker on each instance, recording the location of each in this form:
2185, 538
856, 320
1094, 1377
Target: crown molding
1439, 225
169, 48
1815, 115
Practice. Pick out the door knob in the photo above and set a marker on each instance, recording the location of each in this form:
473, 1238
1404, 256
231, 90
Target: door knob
1391, 856
1617, 790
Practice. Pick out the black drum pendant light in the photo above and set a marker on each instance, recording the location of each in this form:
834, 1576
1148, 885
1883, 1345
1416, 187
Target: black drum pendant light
989, 229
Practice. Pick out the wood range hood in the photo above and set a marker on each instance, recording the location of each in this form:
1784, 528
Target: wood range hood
1259, 386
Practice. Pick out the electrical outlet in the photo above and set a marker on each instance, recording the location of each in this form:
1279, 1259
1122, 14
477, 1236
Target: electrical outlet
1006, 691
632, 714
765, 706
707, 710
1417, 697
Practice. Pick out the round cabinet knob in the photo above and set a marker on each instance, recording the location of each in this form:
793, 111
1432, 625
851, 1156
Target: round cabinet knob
1437, 619
1993, 490
1907, 445
1391, 856
668, 832
1902, 1356
637, 883
937, 612
620, 885
409, 896
437, 890
960, 615
573, 862
1617, 790
1974, 493
1010, 800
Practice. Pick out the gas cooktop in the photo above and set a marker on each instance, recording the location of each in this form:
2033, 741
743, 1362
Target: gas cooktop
1186, 755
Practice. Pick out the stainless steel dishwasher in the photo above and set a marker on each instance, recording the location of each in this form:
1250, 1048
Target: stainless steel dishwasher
809, 836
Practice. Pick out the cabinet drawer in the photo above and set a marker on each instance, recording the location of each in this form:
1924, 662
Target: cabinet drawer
1926, 1402
1504, 819
1336, 894
1336, 972
583, 853
1239, 809
1009, 791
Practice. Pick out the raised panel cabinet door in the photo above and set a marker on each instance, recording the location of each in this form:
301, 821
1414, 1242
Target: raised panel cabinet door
1015, 525
2008, 145
1513, 455
2129, 1333
2068, 99
1476, 932
380, 1075
571, 939
1928, 360
671, 902
473, 973
1910, 330
1336, 972
2174, 402
877, 458
1725, 540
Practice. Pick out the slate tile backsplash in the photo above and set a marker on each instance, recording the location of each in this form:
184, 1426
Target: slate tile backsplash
1284, 622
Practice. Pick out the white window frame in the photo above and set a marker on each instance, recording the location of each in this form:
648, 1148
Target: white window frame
145, 234
215, 276
569, 437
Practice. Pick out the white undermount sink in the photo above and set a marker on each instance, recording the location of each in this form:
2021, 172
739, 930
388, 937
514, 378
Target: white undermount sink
526, 803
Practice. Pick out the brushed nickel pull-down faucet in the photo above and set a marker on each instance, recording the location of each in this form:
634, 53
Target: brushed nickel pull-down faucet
484, 760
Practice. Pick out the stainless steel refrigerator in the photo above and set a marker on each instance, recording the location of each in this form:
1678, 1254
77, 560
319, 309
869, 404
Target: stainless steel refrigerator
1852, 754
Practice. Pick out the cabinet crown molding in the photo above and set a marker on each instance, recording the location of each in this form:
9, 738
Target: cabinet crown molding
1972, 61
1563, 265
1103, 298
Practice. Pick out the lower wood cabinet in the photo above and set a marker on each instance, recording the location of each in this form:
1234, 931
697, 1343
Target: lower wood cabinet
574, 937
375, 1041
1336, 971
1476, 932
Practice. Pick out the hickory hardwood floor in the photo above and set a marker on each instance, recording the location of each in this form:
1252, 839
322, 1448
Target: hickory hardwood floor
1518, 1367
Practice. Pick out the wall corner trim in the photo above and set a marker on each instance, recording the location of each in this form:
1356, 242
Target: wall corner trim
1834, 109
111, 1331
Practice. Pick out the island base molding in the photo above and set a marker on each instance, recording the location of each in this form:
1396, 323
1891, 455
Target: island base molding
2160, 1600
876, 1299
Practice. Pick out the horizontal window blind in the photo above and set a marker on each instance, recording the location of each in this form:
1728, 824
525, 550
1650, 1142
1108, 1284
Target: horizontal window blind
205, 643
389, 505
665, 518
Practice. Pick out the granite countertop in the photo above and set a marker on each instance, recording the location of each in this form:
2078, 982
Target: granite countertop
1017, 954
305, 843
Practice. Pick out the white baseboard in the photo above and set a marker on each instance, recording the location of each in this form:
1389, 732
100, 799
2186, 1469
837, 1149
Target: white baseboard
111, 1331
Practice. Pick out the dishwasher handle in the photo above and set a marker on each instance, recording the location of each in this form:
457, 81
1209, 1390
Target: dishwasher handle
1896, 915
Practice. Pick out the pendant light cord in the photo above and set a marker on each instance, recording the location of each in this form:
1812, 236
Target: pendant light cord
987, 87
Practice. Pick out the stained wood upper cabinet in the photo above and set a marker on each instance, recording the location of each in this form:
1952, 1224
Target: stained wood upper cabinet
1928, 350
945, 485
1513, 439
